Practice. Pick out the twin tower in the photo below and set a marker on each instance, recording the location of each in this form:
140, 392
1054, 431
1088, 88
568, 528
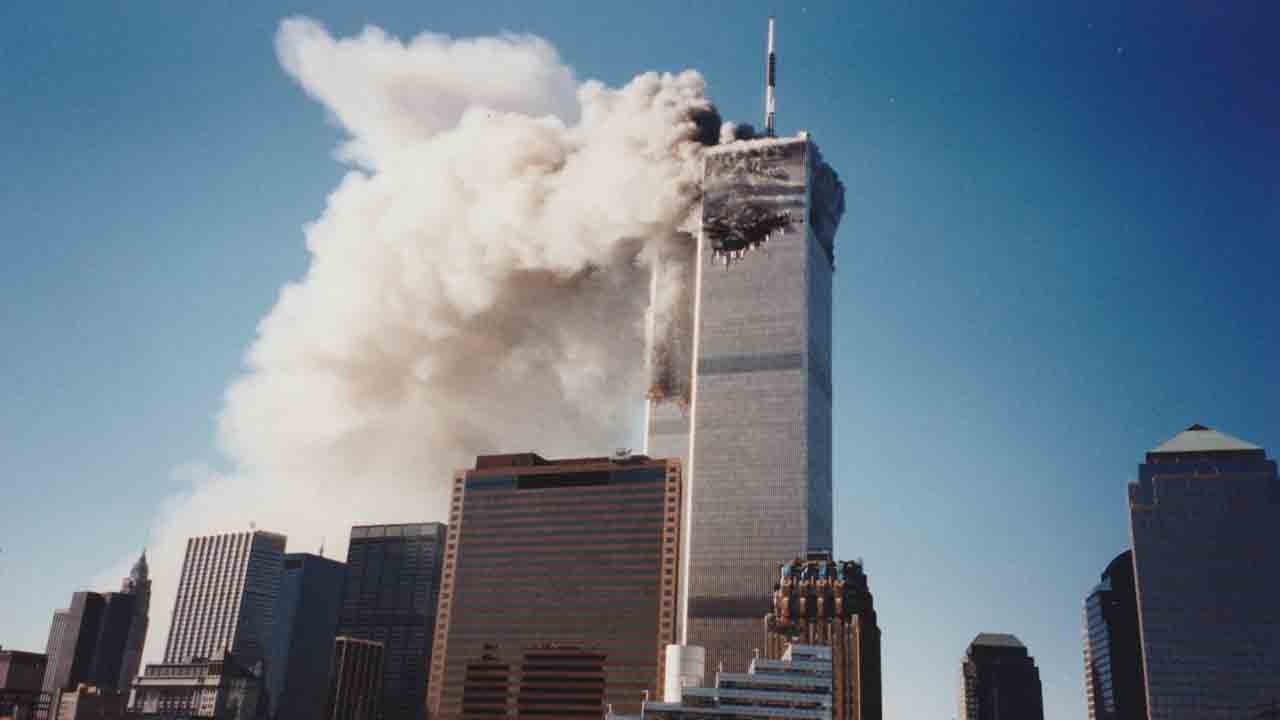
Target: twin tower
741, 385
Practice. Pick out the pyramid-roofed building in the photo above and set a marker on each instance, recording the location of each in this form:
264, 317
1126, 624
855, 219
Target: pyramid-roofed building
1198, 439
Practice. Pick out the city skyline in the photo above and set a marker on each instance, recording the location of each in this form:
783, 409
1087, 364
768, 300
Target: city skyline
1055, 256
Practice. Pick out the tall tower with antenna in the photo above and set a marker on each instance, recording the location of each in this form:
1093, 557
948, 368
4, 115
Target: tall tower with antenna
748, 405
770, 79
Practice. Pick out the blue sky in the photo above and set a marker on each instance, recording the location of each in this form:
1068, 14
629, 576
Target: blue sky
1060, 249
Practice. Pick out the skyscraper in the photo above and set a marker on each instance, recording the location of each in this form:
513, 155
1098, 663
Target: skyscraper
393, 585
1000, 680
559, 574
226, 598
819, 601
138, 584
753, 418
306, 618
1114, 684
1203, 518
88, 641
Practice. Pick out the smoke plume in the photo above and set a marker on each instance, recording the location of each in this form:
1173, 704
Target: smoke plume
478, 282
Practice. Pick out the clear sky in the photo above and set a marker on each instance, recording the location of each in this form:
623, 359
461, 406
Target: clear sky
1061, 248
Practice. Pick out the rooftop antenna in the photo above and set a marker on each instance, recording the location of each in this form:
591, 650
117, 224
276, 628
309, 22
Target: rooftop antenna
771, 72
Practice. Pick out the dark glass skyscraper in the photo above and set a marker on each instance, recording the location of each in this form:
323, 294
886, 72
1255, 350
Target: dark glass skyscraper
1204, 515
89, 641
1000, 681
745, 397
559, 587
306, 617
393, 585
1114, 683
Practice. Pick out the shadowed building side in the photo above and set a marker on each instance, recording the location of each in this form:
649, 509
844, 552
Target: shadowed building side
1114, 685
1204, 514
1000, 680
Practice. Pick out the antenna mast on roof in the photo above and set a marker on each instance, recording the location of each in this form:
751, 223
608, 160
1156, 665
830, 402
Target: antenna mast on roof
771, 72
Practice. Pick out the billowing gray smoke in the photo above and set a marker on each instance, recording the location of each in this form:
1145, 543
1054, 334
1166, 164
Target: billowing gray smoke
478, 282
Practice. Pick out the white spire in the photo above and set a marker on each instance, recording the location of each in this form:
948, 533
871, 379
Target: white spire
770, 76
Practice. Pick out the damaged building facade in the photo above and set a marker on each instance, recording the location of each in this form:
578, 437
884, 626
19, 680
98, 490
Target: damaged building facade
741, 383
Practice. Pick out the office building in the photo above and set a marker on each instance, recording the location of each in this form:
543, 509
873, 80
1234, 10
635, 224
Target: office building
1000, 680
819, 601
306, 617
226, 598
1114, 683
355, 685
137, 584
575, 559
393, 586
1203, 518
741, 387
22, 694
796, 686
221, 689
89, 702
88, 641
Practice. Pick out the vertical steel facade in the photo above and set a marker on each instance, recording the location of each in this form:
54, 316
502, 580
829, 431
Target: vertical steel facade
226, 598
1204, 515
757, 431
355, 689
393, 586
568, 559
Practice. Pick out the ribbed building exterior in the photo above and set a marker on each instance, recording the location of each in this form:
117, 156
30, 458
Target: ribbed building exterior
226, 598
1204, 514
741, 388
392, 591
1113, 679
63, 623
819, 601
797, 686
355, 684
306, 618
1000, 680
560, 586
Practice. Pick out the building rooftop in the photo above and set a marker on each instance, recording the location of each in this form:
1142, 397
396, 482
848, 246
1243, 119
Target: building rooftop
1199, 438
997, 640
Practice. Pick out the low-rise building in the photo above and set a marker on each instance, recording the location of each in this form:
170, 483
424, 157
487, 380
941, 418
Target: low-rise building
798, 686
21, 677
220, 689
90, 702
